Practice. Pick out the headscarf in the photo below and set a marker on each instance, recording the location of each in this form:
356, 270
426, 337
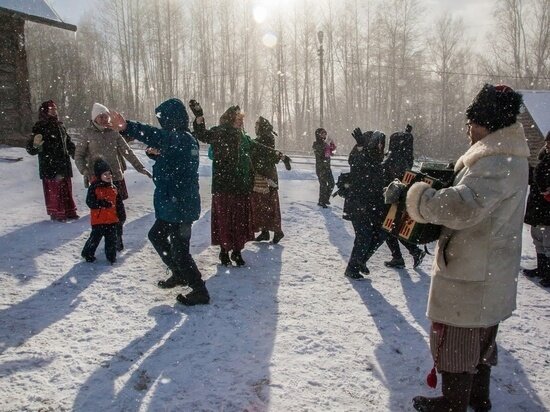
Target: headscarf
43, 112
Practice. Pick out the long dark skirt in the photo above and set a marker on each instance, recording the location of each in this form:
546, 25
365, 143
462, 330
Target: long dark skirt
266, 211
58, 195
231, 221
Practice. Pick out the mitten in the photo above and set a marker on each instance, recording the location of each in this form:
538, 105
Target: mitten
286, 161
394, 192
357, 134
104, 203
196, 108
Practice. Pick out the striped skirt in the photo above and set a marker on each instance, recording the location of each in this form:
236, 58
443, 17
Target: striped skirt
458, 350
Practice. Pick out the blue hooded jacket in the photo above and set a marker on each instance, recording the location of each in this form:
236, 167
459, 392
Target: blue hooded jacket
175, 171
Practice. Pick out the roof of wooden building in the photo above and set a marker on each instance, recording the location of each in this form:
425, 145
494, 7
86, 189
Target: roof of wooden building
38, 11
537, 103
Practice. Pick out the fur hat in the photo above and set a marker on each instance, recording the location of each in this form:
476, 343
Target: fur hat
100, 167
495, 107
98, 109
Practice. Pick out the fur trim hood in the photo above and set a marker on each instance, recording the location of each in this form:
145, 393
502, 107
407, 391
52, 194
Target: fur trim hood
506, 141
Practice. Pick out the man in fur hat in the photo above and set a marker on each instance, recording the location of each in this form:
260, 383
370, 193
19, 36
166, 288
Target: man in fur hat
474, 282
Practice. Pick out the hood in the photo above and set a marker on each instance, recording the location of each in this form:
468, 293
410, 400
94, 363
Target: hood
172, 115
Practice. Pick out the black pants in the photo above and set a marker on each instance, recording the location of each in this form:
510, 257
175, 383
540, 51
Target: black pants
109, 232
393, 244
368, 239
171, 241
326, 184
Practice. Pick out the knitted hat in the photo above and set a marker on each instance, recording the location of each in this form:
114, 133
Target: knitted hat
98, 109
100, 167
495, 107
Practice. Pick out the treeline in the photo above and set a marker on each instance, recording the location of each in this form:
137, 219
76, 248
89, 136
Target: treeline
386, 63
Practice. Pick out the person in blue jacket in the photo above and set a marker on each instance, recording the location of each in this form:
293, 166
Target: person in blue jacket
176, 198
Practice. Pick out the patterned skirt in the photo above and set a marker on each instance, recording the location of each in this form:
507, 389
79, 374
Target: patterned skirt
58, 195
266, 211
231, 221
458, 350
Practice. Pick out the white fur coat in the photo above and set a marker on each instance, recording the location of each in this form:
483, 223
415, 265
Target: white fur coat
478, 254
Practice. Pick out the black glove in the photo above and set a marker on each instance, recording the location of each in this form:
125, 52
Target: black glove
104, 203
196, 108
357, 135
286, 161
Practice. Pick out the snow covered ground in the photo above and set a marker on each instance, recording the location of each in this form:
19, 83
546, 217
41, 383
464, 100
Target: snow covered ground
286, 333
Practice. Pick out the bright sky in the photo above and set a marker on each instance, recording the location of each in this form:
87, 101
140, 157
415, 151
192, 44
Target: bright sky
477, 14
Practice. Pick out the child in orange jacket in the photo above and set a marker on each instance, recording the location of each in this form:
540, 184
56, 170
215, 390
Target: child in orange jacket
106, 211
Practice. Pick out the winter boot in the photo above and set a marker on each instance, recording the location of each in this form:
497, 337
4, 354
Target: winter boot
224, 258
544, 273
418, 258
89, 259
175, 280
119, 244
237, 258
323, 205
533, 273
198, 296
456, 389
353, 275
395, 263
479, 397
264, 235
364, 269
277, 236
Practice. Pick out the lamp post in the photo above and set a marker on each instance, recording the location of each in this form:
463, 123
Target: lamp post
321, 51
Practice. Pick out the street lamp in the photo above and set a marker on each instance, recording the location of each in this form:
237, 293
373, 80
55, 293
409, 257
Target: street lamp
320, 52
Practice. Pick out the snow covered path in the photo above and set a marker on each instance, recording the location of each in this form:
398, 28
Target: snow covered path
286, 333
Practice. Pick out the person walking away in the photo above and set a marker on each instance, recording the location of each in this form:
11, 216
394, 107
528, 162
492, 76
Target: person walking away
364, 203
474, 281
323, 151
176, 198
398, 160
101, 142
54, 148
537, 214
266, 211
106, 211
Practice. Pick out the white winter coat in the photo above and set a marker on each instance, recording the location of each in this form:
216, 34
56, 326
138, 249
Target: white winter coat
110, 146
474, 276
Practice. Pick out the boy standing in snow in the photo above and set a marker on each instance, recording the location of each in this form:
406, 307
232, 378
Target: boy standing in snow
106, 211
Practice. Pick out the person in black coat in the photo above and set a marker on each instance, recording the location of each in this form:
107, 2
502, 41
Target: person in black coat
54, 148
364, 203
537, 214
399, 160
323, 151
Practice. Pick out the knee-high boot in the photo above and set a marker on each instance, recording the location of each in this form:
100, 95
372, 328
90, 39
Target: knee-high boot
479, 397
456, 388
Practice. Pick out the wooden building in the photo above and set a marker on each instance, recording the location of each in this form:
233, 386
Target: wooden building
535, 118
16, 114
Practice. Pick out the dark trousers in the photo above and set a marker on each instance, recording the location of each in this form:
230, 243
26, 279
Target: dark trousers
109, 232
326, 184
368, 239
171, 241
393, 244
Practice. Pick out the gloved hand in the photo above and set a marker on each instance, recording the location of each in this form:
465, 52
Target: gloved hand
104, 203
395, 192
357, 135
286, 161
196, 108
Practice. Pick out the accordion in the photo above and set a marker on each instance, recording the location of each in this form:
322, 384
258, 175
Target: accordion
398, 222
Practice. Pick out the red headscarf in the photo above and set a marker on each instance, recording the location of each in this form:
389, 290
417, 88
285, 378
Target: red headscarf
44, 109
